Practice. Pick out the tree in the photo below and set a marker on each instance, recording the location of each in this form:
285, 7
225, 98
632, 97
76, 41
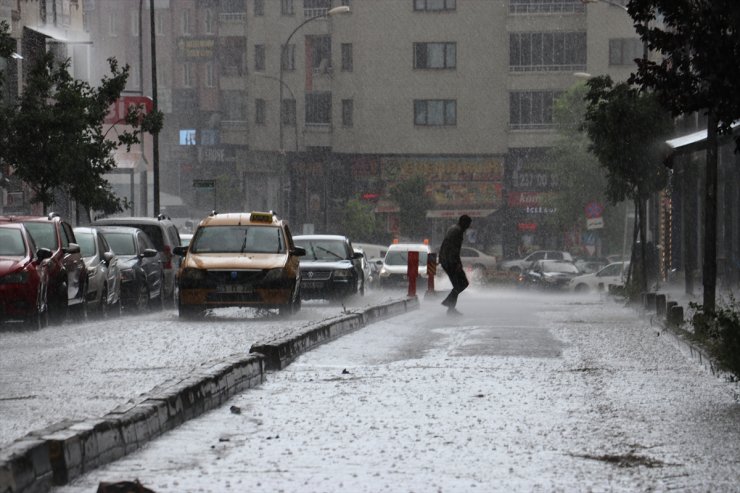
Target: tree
358, 221
413, 201
54, 137
580, 176
627, 128
698, 72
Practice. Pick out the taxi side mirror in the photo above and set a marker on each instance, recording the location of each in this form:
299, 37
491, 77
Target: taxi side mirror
180, 250
298, 251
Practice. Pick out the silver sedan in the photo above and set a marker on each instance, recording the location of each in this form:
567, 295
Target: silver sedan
103, 275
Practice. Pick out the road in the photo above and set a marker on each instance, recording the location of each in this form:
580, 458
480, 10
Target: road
536, 393
82, 370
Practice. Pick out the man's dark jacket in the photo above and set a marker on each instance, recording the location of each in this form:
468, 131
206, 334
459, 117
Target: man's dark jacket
449, 252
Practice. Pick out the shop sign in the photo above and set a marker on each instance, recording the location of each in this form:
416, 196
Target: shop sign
526, 227
196, 48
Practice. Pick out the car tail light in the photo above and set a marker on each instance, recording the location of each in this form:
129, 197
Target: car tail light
167, 257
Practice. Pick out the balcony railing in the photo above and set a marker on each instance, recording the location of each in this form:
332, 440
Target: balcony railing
315, 12
233, 17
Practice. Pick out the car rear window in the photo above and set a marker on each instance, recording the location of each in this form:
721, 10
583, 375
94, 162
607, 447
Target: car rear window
121, 243
44, 234
87, 244
11, 243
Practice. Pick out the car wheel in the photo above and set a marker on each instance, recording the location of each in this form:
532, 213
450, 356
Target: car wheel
582, 288
157, 304
478, 274
362, 287
190, 312
103, 308
142, 298
78, 312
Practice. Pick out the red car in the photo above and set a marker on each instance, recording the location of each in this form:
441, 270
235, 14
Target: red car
23, 276
67, 272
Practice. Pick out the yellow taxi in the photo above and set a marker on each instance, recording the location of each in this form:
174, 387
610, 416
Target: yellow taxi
239, 259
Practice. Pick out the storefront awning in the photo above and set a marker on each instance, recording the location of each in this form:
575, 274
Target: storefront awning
456, 213
695, 141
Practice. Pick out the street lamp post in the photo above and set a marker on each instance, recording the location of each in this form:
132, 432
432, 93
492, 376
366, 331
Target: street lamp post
155, 135
283, 53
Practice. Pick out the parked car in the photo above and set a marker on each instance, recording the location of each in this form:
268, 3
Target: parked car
240, 259
142, 274
591, 264
24, 276
613, 274
548, 274
477, 263
103, 274
331, 269
67, 273
519, 265
367, 269
393, 272
163, 232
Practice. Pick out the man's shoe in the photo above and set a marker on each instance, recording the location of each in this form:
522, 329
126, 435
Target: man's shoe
446, 302
453, 311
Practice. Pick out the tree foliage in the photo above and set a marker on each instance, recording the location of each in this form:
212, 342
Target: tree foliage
358, 221
699, 44
54, 136
413, 201
628, 129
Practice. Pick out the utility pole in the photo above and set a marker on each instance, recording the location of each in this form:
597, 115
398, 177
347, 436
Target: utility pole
155, 135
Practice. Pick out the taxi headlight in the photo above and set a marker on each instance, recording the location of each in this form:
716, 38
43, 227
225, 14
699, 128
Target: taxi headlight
342, 274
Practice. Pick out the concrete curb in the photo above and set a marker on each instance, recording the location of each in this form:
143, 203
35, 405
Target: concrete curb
665, 319
56, 455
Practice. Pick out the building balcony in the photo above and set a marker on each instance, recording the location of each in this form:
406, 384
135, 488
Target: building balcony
232, 24
234, 132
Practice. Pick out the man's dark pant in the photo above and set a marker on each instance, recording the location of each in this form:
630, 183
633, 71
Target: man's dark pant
459, 281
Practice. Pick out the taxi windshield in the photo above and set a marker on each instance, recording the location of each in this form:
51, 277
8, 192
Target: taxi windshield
401, 257
238, 239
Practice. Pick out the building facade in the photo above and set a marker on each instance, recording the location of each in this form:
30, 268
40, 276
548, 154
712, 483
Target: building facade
275, 104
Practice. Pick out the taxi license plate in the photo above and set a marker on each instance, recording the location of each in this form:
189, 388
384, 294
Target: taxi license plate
234, 288
312, 284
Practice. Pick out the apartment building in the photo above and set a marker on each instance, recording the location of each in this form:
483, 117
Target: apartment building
38, 27
275, 104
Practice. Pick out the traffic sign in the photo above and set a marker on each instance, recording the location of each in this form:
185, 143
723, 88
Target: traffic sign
594, 210
204, 184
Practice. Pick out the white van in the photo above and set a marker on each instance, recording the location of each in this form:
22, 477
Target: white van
372, 252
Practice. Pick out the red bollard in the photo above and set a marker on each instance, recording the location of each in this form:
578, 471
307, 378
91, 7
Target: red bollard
431, 272
412, 272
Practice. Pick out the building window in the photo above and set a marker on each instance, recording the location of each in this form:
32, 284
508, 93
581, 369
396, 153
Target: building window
135, 28
346, 3
209, 22
259, 58
185, 22
234, 106
187, 74
531, 109
547, 51
259, 111
435, 112
159, 23
210, 77
435, 55
434, 5
318, 108
288, 112
259, 8
546, 6
113, 25
348, 107
209, 137
347, 60
287, 7
318, 48
288, 57
624, 51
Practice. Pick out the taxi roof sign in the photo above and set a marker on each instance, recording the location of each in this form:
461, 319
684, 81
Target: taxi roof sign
261, 217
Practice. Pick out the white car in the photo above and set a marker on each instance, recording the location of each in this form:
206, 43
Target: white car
613, 274
518, 265
393, 273
479, 264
